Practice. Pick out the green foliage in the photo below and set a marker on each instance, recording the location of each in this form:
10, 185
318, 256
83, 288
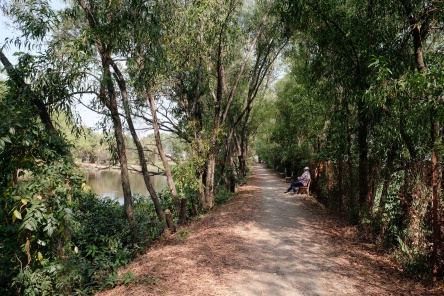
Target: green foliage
185, 178
222, 196
36, 282
414, 259
182, 235
92, 234
114, 280
150, 228
99, 245
356, 99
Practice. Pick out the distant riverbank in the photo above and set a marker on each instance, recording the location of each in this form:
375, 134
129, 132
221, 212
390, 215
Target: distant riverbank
105, 180
132, 168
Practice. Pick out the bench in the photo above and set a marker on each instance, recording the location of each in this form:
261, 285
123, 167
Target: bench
305, 188
288, 179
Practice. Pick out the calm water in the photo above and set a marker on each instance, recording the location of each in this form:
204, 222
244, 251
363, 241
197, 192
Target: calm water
108, 184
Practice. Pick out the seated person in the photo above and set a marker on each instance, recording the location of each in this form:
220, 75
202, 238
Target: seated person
302, 181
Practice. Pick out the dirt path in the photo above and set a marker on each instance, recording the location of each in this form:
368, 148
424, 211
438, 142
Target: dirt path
265, 242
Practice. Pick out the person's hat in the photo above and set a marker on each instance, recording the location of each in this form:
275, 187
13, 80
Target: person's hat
306, 168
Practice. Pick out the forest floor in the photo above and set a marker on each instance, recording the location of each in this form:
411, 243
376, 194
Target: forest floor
265, 242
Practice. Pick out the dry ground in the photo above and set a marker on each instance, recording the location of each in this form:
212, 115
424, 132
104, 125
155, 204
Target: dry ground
265, 242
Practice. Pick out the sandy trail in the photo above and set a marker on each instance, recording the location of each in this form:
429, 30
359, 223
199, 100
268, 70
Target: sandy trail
295, 256
265, 242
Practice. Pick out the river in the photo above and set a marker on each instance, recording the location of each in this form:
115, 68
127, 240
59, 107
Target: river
107, 183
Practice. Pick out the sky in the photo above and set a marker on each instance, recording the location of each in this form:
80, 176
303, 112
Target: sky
89, 117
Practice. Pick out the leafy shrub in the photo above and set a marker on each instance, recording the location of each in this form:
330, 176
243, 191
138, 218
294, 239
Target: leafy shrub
414, 259
187, 185
222, 196
95, 218
148, 224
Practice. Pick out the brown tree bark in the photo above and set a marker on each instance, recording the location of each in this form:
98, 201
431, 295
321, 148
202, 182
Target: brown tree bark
180, 206
111, 103
420, 28
363, 158
436, 197
170, 222
108, 96
220, 113
141, 155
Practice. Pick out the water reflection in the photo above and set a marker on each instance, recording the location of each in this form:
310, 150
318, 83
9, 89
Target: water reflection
107, 183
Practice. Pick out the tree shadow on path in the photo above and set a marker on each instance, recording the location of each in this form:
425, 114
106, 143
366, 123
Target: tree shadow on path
265, 242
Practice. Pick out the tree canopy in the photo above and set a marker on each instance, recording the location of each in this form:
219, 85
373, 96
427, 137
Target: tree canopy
352, 89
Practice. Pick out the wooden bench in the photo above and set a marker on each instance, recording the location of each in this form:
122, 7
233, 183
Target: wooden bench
288, 179
305, 188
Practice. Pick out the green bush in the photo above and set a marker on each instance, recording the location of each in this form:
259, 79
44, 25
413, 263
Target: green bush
98, 243
148, 224
222, 196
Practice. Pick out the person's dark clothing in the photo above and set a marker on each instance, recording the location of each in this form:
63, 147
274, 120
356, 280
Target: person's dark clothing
294, 185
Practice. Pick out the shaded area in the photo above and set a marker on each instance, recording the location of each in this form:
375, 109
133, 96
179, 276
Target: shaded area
264, 242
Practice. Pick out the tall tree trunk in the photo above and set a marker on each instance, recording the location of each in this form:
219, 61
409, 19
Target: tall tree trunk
180, 206
221, 112
108, 96
436, 197
351, 187
420, 29
121, 152
244, 142
142, 161
363, 158
340, 185
208, 201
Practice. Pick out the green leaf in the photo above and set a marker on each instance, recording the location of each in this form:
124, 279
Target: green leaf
17, 214
41, 242
7, 139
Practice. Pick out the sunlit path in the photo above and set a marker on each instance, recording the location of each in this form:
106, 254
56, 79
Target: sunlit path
295, 258
264, 242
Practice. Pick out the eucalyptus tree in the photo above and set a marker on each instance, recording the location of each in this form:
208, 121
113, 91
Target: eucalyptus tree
73, 54
271, 42
146, 50
210, 55
423, 16
89, 36
139, 47
35, 214
360, 69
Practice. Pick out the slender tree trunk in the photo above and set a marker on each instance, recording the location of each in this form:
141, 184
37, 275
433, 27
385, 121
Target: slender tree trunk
121, 151
108, 97
340, 185
436, 197
180, 206
352, 208
153, 194
363, 158
244, 146
208, 201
